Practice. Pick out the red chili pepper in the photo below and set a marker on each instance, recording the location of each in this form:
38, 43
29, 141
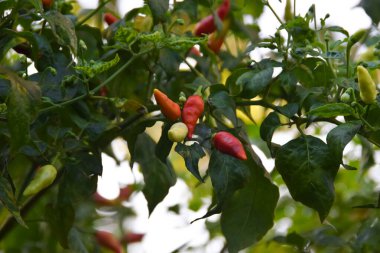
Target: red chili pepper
110, 18
207, 24
125, 193
101, 201
109, 241
168, 107
103, 91
133, 237
229, 144
192, 110
47, 3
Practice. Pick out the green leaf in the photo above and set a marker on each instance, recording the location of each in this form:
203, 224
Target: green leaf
332, 110
309, 168
227, 174
338, 29
340, 136
8, 200
159, 9
249, 213
63, 29
93, 68
254, 82
164, 145
75, 242
21, 107
60, 219
267, 128
191, 154
222, 104
158, 177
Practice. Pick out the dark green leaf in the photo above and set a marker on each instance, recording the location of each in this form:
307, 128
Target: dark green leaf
164, 145
338, 29
308, 168
227, 174
158, 8
267, 128
60, 219
191, 154
340, 136
332, 110
289, 110
249, 213
21, 107
366, 239
8, 200
63, 29
254, 82
158, 177
75, 242
293, 239
372, 8
222, 103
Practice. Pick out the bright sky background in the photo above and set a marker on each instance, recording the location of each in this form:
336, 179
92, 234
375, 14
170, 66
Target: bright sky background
166, 231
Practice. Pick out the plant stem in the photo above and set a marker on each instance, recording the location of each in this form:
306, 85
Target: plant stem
273, 11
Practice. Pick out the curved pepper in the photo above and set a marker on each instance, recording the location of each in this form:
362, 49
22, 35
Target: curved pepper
367, 86
168, 107
229, 144
192, 110
207, 24
44, 177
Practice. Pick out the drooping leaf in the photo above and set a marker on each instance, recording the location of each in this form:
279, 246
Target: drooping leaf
191, 154
21, 107
75, 242
8, 200
267, 128
159, 9
63, 29
249, 213
332, 110
60, 219
340, 136
227, 174
254, 82
164, 145
309, 168
158, 177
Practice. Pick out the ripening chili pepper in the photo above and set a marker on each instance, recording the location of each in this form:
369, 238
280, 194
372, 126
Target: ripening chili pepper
133, 237
109, 241
367, 86
43, 177
229, 144
110, 18
216, 39
168, 107
207, 24
177, 132
192, 110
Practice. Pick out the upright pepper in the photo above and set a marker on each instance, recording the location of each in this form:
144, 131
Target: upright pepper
207, 24
192, 110
229, 144
44, 177
168, 107
367, 86
108, 240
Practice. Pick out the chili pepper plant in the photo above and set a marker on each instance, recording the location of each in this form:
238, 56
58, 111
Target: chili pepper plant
277, 151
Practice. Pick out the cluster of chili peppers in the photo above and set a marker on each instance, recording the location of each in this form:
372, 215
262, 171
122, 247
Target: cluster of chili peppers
192, 110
